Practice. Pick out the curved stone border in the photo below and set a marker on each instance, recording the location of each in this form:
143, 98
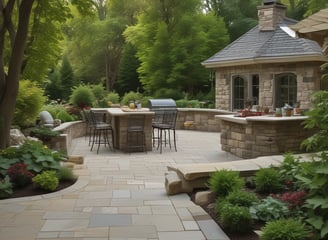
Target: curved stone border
80, 183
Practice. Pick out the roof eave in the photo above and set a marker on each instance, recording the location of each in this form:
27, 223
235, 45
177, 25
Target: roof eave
265, 60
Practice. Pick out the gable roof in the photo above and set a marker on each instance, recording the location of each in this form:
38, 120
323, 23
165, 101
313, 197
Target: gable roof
266, 47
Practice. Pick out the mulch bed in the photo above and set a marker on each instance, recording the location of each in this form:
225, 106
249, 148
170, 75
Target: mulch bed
31, 190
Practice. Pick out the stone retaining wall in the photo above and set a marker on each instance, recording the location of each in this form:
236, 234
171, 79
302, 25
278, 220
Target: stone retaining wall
200, 119
69, 131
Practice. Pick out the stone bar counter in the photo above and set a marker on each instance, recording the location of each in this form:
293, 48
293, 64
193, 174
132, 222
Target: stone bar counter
250, 137
119, 119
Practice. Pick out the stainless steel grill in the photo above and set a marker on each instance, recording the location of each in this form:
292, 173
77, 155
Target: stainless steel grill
161, 104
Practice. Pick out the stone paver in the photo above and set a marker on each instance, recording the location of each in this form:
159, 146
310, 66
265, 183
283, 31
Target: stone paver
119, 196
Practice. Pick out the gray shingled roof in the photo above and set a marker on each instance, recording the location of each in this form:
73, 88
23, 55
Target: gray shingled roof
266, 44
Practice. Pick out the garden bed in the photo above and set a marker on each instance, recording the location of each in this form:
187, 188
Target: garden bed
286, 202
32, 190
209, 207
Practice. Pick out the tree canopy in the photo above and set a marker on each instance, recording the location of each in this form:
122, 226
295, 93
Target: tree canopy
172, 39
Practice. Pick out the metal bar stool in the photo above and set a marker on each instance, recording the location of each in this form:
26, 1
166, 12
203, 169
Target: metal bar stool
165, 127
100, 129
157, 119
135, 134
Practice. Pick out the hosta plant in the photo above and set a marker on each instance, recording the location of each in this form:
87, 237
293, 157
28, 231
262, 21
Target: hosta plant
269, 209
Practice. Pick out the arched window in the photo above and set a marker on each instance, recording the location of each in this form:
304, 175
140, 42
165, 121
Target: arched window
286, 89
245, 89
239, 92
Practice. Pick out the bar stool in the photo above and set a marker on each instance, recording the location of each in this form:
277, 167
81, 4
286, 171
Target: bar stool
135, 134
157, 119
165, 127
99, 128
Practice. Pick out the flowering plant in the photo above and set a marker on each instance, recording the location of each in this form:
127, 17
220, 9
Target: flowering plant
19, 175
292, 199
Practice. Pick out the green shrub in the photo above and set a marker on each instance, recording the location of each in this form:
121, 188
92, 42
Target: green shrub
182, 103
224, 181
131, 96
54, 108
144, 101
64, 116
269, 209
284, 229
242, 198
98, 91
42, 133
46, 180
193, 104
268, 180
288, 169
29, 102
65, 174
235, 218
6, 187
82, 96
315, 179
113, 97
317, 119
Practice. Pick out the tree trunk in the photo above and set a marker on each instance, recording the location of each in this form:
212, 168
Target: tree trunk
11, 81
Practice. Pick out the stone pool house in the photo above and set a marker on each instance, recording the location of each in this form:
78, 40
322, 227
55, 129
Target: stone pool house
267, 66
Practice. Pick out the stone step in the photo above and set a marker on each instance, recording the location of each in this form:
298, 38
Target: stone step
185, 178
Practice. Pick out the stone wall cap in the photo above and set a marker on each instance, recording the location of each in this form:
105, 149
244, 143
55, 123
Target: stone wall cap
244, 120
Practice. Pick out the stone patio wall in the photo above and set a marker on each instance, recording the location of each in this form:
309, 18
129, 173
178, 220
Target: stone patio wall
256, 138
200, 119
69, 131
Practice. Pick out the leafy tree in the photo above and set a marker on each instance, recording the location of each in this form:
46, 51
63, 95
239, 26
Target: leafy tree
95, 41
14, 36
42, 47
23, 29
185, 35
315, 5
239, 15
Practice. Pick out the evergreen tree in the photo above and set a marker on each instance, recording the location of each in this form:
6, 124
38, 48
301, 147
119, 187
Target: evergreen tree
128, 78
66, 78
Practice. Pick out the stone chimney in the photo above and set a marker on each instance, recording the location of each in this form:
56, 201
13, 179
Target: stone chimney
271, 13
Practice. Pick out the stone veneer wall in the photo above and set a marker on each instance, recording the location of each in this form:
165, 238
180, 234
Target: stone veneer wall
201, 119
69, 131
308, 80
262, 138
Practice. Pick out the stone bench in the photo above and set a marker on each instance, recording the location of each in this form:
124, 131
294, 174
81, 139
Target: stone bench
185, 178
